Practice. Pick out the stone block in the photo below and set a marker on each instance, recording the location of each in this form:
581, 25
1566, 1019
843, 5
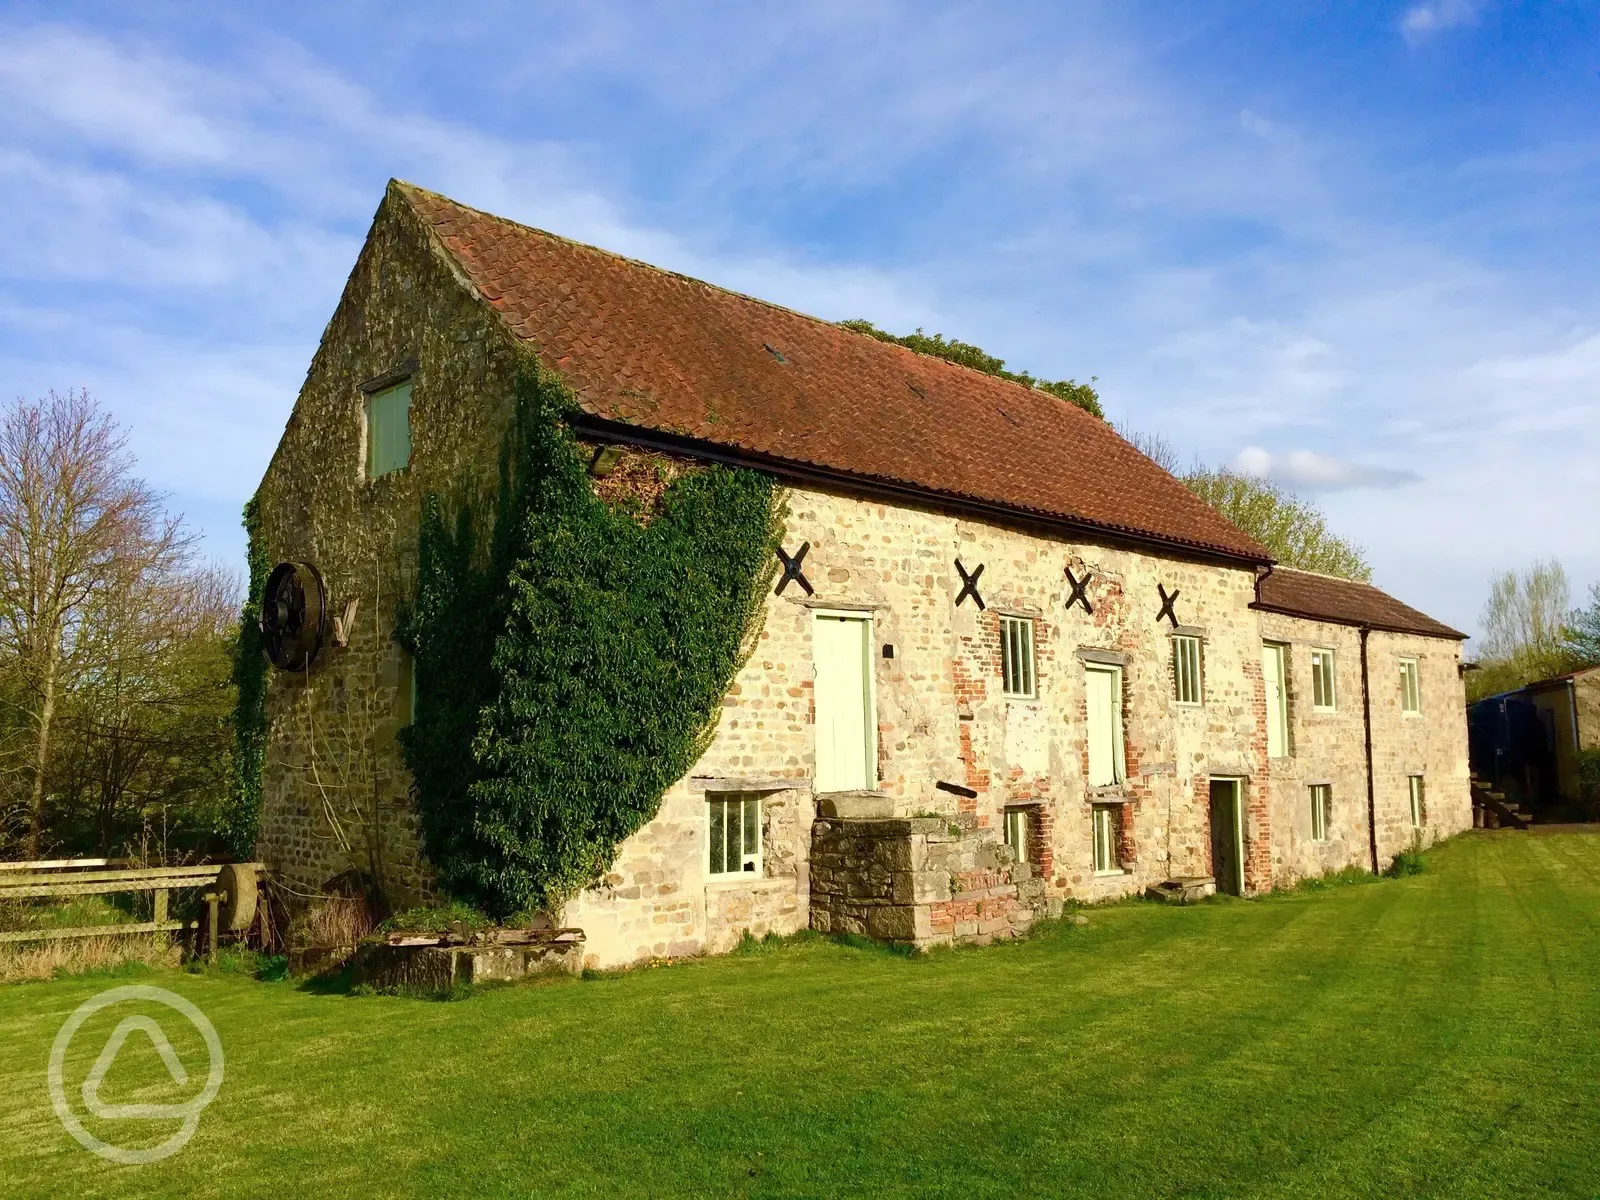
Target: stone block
855, 805
900, 923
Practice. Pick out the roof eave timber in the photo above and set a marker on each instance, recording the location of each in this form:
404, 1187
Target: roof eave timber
1377, 626
908, 495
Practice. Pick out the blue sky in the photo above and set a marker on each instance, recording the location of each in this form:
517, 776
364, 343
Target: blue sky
1351, 245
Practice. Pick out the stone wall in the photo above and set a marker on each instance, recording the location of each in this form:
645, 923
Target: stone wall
919, 881
941, 717
1432, 743
335, 790
1586, 694
657, 901
1329, 747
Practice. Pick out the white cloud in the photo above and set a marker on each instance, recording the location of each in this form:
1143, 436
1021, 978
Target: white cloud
1309, 471
1062, 190
191, 312
1435, 16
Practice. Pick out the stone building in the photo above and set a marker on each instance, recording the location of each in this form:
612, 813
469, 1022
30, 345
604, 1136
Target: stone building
1015, 661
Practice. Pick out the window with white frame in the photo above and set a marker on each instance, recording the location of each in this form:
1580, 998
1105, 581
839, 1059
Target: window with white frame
1017, 832
1103, 700
1323, 695
734, 824
388, 416
1321, 810
1419, 812
1187, 685
1410, 687
1107, 828
1016, 658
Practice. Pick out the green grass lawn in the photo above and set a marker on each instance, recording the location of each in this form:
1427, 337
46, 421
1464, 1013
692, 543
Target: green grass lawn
1437, 1035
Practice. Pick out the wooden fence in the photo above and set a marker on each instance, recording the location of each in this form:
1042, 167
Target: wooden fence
229, 890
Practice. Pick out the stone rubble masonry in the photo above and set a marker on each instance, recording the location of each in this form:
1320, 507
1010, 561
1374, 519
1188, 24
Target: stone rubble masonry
337, 796
919, 882
1328, 747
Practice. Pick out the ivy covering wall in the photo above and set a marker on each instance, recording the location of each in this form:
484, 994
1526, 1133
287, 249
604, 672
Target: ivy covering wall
571, 656
250, 712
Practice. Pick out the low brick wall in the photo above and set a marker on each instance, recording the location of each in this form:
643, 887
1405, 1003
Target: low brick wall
919, 881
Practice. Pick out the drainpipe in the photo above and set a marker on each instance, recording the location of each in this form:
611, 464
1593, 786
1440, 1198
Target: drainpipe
1366, 721
1260, 579
1577, 742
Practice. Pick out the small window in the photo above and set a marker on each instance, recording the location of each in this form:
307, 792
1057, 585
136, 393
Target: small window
406, 693
1322, 685
1321, 810
1186, 682
389, 430
1016, 658
1410, 687
1107, 827
735, 835
1017, 832
1103, 700
1419, 812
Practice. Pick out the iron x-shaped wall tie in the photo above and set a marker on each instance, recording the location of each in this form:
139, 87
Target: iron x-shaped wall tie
791, 570
1080, 589
1166, 605
969, 584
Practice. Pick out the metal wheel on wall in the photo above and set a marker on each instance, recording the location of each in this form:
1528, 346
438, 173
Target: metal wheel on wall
294, 615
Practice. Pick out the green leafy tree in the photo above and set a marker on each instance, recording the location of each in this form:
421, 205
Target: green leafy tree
966, 354
1293, 530
1583, 629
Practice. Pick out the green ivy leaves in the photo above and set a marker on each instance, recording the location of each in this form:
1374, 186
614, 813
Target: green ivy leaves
565, 684
250, 708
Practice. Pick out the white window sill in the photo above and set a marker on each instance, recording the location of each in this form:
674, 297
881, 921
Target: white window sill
1189, 703
1319, 710
1410, 713
1020, 699
1114, 873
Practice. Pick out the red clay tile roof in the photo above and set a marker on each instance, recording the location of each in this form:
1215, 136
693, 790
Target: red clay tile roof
1344, 601
673, 355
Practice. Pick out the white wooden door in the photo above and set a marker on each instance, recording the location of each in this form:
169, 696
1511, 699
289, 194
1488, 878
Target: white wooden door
846, 731
1277, 700
1103, 694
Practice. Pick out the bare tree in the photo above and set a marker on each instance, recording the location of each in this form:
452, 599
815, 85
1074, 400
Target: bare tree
77, 531
149, 727
1526, 613
1525, 630
1153, 446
